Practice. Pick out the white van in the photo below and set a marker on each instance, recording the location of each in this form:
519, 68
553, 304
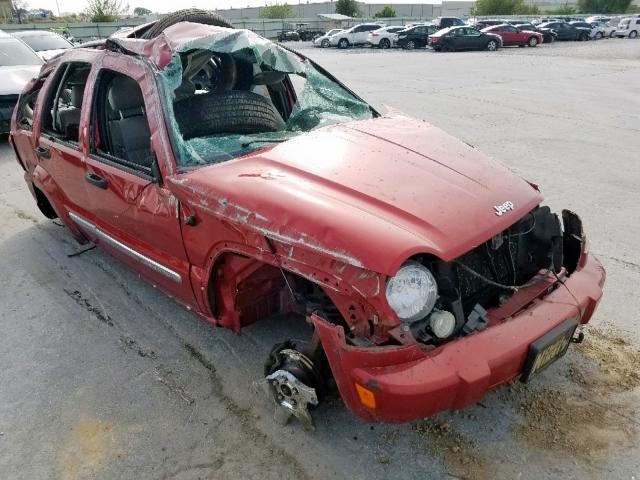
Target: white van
628, 27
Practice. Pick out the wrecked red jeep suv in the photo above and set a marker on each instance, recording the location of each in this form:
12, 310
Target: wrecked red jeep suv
244, 180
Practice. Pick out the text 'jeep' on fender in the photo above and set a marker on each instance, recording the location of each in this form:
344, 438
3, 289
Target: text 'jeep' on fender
244, 180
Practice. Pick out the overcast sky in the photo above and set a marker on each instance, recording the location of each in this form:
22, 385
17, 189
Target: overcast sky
164, 6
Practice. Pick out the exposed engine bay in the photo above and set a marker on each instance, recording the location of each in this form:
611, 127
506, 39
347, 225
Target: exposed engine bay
529, 252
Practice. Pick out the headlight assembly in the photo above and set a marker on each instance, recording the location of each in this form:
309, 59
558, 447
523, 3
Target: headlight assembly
412, 292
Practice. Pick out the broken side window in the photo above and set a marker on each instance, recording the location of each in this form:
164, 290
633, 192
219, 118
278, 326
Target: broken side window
234, 92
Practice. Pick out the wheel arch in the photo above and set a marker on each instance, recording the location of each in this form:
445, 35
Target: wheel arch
232, 267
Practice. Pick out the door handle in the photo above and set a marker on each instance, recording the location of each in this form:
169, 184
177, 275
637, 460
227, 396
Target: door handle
43, 152
96, 180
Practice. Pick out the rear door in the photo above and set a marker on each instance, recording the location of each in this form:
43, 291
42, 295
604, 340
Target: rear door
135, 217
510, 35
457, 38
60, 143
565, 31
420, 36
473, 39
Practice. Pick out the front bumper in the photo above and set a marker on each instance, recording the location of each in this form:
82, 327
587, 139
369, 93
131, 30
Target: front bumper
405, 383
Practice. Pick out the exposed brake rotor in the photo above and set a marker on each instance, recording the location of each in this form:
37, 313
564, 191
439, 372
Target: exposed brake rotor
295, 384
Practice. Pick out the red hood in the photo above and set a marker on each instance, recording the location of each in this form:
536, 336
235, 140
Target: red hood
371, 193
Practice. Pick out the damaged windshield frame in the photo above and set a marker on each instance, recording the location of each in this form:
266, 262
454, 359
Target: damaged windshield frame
180, 147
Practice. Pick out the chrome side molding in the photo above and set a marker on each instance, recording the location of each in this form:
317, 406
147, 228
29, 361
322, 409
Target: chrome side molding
106, 238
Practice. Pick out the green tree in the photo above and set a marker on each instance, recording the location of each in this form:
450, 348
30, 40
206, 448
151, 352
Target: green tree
496, 7
505, 7
386, 12
141, 11
604, 6
105, 10
277, 11
562, 10
348, 8
19, 9
525, 9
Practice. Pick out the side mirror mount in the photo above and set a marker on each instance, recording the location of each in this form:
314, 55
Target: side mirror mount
155, 169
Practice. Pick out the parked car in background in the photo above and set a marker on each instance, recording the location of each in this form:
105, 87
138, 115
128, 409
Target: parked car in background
18, 65
45, 44
288, 36
606, 28
446, 22
306, 33
480, 24
596, 33
356, 35
464, 38
566, 31
512, 36
598, 18
416, 37
323, 40
628, 27
384, 37
548, 35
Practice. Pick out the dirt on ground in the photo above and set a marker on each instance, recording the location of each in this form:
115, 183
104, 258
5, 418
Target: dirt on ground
592, 419
618, 362
462, 458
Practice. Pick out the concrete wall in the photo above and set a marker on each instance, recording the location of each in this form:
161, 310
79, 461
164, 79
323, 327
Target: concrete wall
414, 10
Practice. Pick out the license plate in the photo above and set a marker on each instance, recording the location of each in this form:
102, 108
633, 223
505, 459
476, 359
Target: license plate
548, 348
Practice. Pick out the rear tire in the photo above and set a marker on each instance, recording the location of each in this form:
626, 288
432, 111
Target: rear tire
532, 42
448, 48
234, 111
492, 45
194, 15
411, 45
384, 43
343, 43
612, 34
599, 35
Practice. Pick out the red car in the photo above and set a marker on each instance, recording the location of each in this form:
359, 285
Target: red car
514, 36
245, 181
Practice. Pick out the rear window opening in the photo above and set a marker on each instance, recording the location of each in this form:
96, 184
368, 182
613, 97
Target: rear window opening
234, 93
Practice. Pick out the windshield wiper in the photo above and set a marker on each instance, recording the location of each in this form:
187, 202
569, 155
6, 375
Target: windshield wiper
275, 140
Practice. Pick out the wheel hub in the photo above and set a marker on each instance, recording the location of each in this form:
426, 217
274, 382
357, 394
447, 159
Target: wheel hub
292, 397
295, 385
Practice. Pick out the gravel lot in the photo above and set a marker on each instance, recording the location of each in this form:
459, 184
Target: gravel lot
102, 376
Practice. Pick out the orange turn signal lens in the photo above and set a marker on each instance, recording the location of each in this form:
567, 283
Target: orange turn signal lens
367, 398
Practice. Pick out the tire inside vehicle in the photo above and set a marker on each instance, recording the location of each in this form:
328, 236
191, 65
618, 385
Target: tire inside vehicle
194, 15
226, 112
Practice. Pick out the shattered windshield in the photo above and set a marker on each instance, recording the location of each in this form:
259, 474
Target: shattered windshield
234, 92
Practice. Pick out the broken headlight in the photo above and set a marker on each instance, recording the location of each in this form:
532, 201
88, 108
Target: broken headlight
412, 292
